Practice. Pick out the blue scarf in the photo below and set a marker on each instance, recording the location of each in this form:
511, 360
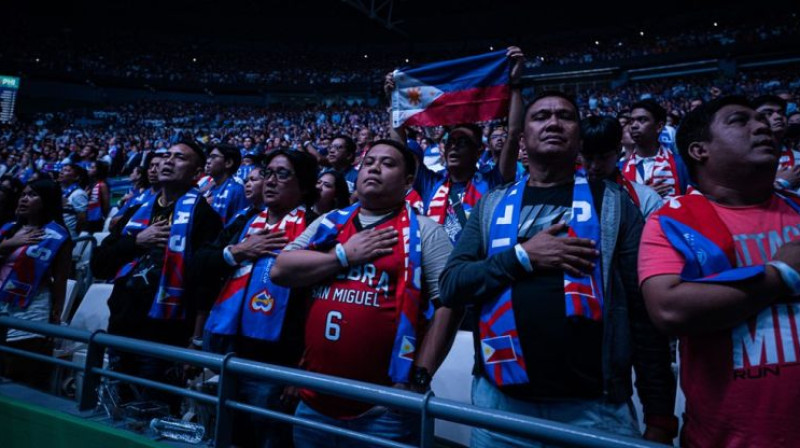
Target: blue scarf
500, 345
709, 251
30, 264
222, 196
167, 303
409, 283
249, 303
66, 191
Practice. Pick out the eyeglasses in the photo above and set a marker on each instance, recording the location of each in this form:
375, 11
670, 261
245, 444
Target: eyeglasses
282, 174
459, 141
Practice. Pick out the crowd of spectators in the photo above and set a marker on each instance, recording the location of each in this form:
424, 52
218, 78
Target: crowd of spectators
136, 59
118, 133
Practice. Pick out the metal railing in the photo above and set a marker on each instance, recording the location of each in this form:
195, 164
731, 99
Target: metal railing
230, 367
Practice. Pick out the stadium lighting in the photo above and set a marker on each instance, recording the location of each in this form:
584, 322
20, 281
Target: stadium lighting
37, 59
365, 56
641, 33
716, 24
194, 59
406, 60
491, 48
597, 42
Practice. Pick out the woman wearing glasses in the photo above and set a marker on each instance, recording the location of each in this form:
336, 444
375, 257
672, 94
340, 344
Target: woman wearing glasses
34, 264
251, 316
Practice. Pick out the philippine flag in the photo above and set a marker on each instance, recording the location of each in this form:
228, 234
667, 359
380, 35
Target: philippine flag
498, 349
463, 90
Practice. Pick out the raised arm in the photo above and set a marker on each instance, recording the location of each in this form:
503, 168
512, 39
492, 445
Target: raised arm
508, 156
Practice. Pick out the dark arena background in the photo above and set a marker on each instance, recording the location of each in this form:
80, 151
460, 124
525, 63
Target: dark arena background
269, 102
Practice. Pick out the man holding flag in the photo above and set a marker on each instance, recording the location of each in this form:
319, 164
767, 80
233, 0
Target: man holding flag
459, 92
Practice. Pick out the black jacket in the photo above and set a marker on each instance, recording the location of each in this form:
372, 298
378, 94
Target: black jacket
132, 298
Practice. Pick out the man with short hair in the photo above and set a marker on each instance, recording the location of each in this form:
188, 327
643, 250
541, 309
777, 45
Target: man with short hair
226, 197
719, 269
601, 138
375, 268
341, 154
149, 257
773, 108
560, 318
364, 139
651, 163
449, 196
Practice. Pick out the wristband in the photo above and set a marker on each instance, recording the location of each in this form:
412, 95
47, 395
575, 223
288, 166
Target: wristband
783, 183
341, 255
523, 258
228, 256
197, 342
789, 276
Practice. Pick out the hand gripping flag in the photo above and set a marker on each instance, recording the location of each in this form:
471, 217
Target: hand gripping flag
463, 90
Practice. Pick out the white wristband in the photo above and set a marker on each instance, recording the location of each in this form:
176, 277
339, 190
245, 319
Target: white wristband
341, 255
523, 258
789, 276
228, 256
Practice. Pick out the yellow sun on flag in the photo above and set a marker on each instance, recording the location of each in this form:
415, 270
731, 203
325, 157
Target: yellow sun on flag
414, 96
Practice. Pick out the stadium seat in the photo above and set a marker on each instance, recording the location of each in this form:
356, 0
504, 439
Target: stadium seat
69, 300
453, 381
93, 313
100, 236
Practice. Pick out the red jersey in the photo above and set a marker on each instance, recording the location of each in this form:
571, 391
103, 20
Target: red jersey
351, 326
741, 383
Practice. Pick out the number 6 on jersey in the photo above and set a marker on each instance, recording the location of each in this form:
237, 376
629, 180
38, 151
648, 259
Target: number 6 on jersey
332, 327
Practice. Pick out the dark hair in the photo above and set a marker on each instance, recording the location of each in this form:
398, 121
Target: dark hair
696, 126
100, 170
659, 113
144, 181
12, 197
769, 99
341, 198
195, 146
409, 160
552, 93
229, 152
305, 169
50, 192
600, 135
80, 172
349, 143
473, 128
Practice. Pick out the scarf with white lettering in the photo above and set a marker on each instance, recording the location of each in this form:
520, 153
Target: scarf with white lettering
221, 196
249, 303
168, 301
439, 204
693, 228
501, 350
30, 264
409, 282
663, 171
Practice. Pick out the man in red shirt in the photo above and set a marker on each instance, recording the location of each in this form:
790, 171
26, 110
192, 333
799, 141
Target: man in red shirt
375, 268
719, 269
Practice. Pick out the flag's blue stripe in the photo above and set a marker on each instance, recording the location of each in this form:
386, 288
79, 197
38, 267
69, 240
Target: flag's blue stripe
484, 70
